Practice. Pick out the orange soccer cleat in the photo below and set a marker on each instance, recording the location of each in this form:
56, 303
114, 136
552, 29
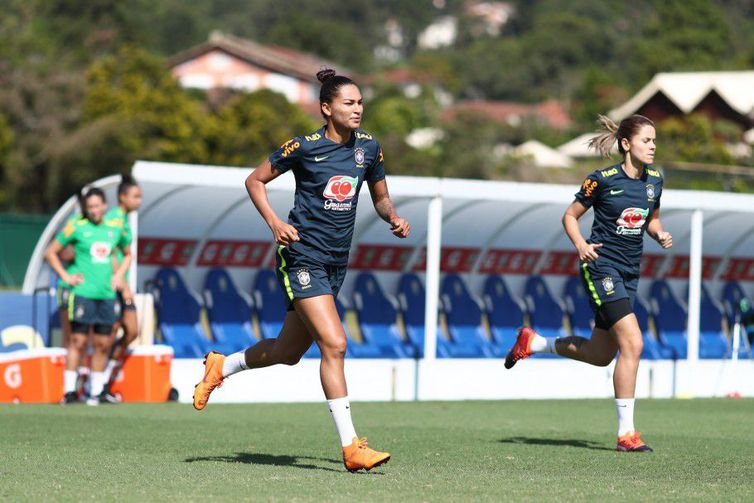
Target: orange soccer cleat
213, 378
358, 455
631, 442
522, 348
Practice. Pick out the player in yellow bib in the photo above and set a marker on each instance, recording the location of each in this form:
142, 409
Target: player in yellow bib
91, 305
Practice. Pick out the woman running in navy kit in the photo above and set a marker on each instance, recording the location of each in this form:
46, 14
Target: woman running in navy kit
626, 202
329, 166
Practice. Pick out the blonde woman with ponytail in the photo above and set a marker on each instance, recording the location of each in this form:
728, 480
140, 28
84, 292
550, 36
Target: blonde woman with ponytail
626, 202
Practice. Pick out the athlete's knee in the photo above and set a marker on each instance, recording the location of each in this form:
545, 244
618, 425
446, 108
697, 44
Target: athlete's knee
335, 348
77, 343
632, 347
102, 344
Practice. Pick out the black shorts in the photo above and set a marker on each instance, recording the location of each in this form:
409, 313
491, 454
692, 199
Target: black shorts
86, 311
301, 277
605, 283
122, 306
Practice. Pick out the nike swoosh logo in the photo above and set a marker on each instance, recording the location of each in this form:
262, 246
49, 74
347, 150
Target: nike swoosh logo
318, 159
613, 192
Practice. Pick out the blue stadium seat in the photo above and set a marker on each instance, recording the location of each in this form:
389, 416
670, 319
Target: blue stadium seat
504, 312
712, 340
178, 312
355, 349
653, 349
270, 304
271, 307
464, 320
412, 302
228, 311
545, 313
732, 295
377, 318
670, 318
579, 312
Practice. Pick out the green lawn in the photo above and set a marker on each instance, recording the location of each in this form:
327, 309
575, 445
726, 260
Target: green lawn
513, 450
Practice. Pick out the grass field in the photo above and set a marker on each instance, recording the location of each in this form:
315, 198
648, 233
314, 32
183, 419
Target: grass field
451, 451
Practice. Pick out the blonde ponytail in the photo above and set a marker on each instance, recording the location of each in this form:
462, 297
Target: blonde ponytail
603, 142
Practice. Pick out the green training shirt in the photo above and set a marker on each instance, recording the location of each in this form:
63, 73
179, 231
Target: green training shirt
118, 218
93, 246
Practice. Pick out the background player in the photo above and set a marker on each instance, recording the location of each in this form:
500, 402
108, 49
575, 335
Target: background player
329, 165
129, 199
92, 300
626, 202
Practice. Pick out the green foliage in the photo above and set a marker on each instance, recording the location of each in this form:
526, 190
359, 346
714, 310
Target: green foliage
696, 139
135, 89
700, 38
250, 126
84, 90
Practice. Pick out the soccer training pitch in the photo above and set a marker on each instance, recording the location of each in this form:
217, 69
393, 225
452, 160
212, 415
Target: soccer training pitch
450, 451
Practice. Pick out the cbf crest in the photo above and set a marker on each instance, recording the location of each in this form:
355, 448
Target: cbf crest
303, 277
650, 191
607, 285
359, 156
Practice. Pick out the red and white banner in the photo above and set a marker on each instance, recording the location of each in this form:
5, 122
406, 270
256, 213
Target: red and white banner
381, 257
224, 253
458, 260
173, 252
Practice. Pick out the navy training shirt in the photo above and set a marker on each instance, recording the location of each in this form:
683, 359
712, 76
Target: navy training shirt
328, 179
622, 207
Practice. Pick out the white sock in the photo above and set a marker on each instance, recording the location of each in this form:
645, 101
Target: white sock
234, 363
340, 408
98, 383
111, 364
69, 380
625, 409
543, 344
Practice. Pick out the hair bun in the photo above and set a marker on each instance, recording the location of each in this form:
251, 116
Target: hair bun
325, 74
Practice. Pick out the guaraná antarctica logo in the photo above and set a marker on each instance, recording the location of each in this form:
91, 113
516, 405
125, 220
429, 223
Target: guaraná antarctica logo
339, 192
631, 221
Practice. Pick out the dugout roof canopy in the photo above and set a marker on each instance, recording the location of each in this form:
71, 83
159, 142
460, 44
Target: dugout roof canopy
199, 216
196, 217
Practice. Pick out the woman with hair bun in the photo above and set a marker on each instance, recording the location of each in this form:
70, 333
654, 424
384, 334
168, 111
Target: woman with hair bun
329, 165
626, 202
91, 305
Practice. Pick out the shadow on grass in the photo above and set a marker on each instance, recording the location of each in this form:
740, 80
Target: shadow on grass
557, 442
273, 460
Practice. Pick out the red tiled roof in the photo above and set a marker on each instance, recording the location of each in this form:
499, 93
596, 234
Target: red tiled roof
279, 59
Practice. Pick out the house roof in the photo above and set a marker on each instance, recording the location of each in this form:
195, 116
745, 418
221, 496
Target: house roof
279, 59
687, 89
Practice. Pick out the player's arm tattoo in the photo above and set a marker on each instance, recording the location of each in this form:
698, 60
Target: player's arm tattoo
381, 199
385, 209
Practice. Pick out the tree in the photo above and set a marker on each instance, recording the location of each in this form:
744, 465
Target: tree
136, 90
250, 126
696, 139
